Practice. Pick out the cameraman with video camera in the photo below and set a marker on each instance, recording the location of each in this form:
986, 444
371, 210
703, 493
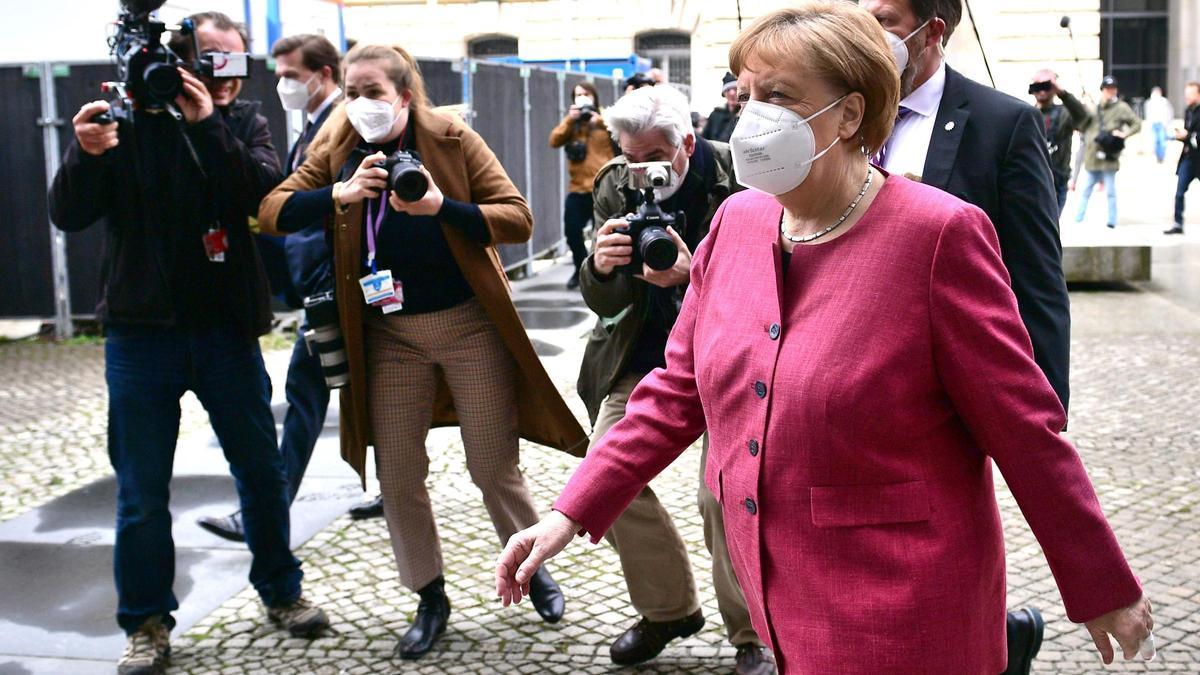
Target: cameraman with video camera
637, 309
183, 300
1059, 122
584, 138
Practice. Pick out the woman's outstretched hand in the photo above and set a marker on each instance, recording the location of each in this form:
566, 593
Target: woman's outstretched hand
527, 550
1131, 627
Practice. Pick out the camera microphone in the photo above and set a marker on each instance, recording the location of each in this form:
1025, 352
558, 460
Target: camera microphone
1064, 22
140, 7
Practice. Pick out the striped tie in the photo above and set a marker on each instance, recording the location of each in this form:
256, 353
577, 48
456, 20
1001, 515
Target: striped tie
881, 156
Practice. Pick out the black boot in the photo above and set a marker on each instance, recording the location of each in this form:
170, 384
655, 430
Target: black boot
432, 614
546, 596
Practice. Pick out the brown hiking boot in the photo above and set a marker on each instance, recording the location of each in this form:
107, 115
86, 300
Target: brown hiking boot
301, 618
147, 650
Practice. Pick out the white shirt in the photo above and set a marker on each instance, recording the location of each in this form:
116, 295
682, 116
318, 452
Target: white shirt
909, 143
316, 114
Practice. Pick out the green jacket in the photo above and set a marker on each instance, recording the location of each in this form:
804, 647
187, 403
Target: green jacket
1116, 114
621, 302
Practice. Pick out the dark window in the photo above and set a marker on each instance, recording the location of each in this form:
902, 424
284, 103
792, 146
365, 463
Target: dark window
492, 46
1134, 38
670, 51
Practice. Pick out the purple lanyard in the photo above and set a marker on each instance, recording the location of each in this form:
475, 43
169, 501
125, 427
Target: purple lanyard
374, 222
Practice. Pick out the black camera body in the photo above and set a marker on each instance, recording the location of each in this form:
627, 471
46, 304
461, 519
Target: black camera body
405, 177
1037, 87
586, 112
652, 244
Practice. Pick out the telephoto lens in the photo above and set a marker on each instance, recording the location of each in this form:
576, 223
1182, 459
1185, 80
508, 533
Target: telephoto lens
324, 338
658, 248
405, 177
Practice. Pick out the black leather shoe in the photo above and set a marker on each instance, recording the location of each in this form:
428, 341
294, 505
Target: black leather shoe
646, 639
227, 527
430, 623
546, 596
1178, 229
371, 509
1025, 629
753, 660
573, 282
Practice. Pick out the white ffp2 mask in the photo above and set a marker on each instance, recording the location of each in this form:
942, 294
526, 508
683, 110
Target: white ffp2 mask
774, 148
293, 93
372, 118
899, 46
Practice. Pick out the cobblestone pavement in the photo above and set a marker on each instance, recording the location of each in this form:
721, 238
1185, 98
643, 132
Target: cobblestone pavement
1135, 390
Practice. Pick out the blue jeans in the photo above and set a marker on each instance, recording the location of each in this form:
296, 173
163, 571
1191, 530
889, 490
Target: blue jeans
1060, 190
308, 401
1160, 141
1187, 173
1109, 179
148, 369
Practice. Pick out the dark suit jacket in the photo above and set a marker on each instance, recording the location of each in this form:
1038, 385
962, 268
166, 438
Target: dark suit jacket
309, 259
987, 149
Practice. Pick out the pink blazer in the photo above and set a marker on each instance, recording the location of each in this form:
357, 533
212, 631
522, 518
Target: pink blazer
853, 410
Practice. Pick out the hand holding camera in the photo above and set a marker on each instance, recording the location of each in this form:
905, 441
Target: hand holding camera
428, 204
675, 275
368, 181
613, 249
194, 101
94, 138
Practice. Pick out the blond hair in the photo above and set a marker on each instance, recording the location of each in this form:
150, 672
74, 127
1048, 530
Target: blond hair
837, 42
400, 67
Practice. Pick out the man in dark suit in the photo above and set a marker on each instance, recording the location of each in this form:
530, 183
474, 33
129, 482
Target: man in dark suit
1188, 169
985, 148
309, 71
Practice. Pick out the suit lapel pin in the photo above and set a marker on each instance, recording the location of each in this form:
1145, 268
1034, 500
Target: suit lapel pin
950, 126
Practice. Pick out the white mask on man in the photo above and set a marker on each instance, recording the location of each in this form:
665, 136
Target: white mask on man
899, 46
371, 118
294, 94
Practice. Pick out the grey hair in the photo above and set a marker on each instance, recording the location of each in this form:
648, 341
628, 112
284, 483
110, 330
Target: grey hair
661, 107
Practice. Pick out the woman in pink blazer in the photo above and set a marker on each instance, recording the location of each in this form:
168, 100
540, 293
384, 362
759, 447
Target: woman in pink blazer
851, 343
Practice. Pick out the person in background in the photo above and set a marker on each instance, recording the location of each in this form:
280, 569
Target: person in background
1159, 114
1188, 168
431, 334
724, 117
584, 138
1107, 128
634, 316
698, 122
1059, 123
637, 81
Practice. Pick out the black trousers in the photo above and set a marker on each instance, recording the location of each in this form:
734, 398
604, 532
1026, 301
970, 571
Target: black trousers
576, 213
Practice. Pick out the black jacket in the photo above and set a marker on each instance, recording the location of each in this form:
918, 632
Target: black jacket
1190, 157
720, 124
988, 149
155, 270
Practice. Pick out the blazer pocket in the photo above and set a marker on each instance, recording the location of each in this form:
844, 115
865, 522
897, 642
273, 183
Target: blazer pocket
858, 505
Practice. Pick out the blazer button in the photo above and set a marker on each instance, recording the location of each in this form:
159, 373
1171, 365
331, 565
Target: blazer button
760, 388
753, 445
751, 507
343, 226
773, 331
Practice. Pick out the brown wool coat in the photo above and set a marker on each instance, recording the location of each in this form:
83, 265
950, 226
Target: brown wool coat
465, 169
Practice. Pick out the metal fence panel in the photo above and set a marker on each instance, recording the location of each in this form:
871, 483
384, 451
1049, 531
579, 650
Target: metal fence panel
443, 80
547, 170
499, 119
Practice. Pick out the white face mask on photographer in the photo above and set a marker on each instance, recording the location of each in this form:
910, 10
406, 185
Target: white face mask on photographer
371, 118
899, 46
774, 148
293, 93
583, 100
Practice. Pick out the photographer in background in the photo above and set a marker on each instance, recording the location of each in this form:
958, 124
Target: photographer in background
1105, 132
636, 313
1059, 122
584, 138
183, 300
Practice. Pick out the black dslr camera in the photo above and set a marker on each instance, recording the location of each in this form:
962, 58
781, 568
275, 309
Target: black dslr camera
1036, 87
147, 70
652, 244
405, 177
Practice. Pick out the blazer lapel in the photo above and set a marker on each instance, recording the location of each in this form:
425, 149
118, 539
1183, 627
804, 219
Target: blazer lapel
953, 113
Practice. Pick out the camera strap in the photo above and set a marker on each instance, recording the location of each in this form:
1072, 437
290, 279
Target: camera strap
374, 223
378, 287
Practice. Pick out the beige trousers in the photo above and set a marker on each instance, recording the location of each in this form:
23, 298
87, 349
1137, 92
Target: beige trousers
653, 556
404, 354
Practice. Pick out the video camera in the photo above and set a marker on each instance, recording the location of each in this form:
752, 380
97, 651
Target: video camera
652, 244
1040, 86
147, 70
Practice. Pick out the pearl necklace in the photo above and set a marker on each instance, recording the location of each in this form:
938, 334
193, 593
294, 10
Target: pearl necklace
845, 214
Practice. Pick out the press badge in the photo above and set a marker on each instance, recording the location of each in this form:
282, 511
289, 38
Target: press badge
378, 287
216, 243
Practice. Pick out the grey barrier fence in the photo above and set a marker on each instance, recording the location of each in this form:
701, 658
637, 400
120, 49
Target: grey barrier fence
50, 274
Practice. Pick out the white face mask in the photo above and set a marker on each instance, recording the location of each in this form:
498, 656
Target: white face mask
582, 100
371, 118
899, 46
774, 148
293, 93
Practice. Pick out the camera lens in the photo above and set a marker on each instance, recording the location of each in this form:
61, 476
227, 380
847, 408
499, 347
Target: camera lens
657, 248
163, 81
408, 182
